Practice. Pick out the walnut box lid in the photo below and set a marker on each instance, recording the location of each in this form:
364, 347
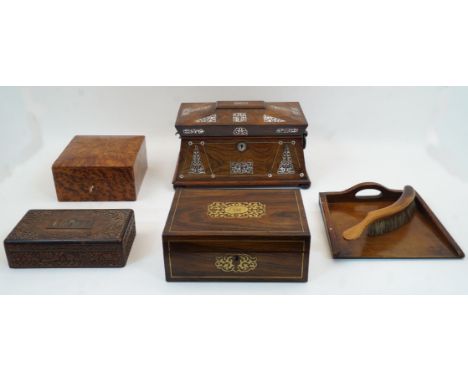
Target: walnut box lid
227, 118
100, 168
71, 238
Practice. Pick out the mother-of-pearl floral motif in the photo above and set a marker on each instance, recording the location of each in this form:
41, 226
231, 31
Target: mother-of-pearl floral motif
270, 119
209, 119
239, 117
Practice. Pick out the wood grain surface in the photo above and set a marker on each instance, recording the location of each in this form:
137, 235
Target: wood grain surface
422, 237
284, 114
241, 143
100, 168
274, 235
264, 154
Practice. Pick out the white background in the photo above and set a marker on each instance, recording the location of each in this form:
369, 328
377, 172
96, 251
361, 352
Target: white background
395, 136
247, 42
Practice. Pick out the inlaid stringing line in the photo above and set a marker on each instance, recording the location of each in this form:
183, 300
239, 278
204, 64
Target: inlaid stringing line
297, 158
175, 210
183, 167
299, 210
207, 159
246, 277
302, 262
169, 256
274, 159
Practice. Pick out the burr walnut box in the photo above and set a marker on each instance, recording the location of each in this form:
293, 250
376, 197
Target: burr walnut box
71, 239
100, 168
236, 235
241, 143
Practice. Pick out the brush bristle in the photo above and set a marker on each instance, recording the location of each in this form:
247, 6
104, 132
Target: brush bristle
393, 222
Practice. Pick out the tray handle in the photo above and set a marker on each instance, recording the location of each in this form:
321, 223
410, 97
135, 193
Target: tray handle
370, 186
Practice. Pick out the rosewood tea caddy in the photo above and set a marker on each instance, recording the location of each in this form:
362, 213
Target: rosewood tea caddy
236, 235
241, 143
100, 168
71, 239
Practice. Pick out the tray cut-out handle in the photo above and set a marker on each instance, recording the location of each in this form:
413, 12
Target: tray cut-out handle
350, 194
384, 191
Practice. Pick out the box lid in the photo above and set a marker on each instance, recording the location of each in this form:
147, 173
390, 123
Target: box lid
237, 213
101, 151
257, 117
71, 226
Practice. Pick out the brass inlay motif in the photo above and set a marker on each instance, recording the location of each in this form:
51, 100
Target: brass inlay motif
238, 263
236, 210
237, 276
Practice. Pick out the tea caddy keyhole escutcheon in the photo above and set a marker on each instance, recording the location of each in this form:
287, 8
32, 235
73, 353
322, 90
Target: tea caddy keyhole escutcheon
241, 146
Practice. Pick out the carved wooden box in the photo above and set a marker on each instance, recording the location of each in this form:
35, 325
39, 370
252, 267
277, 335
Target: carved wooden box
71, 239
100, 168
241, 143
236, 235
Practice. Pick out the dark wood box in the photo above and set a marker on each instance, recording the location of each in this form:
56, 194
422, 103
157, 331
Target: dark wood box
236, 235
100, 168
71, 239
241, 143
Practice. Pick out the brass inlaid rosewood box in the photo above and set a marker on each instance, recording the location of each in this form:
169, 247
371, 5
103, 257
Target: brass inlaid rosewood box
241, 143
236, 235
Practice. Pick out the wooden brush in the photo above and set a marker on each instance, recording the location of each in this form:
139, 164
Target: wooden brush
385, 219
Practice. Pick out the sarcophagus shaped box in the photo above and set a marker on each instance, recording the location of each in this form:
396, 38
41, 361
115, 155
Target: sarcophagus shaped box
100, 168
236, 235
71, 239
241, 143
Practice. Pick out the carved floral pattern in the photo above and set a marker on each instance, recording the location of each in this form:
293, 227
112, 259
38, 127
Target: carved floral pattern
36, 225
72, 255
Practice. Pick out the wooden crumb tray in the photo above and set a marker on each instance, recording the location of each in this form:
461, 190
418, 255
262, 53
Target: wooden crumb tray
423, 237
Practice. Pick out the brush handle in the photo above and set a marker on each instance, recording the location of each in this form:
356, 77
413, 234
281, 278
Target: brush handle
406, 198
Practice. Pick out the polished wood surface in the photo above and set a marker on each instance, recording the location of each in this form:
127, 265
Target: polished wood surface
422, 237
241, 144
219, 155
206, 225
240, 105
71, 239
100, 168
283, 113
